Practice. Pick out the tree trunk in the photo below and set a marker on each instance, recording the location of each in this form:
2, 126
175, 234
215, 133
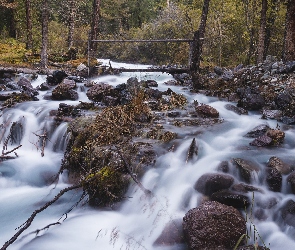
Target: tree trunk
289, 48
262, 32
45, 15
270, 23
94, 25
196, 47
71, 22
29, 43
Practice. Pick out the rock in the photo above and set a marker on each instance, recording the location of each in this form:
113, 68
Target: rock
277, 163
213, 226
276, 135
43, 87
24, 83
261, 141
210, 183
98, 92
81, 67
231, 198
291, 181
218, 70
247, 169
207, 111
172, 234
283, 100
274, 179
288, 120
272, 114
223, 167
288, 213
237, 110
251, 102
244, 188
64, 92
258, 131
192, 151
57, 77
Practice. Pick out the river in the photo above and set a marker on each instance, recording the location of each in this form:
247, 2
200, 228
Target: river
140, 220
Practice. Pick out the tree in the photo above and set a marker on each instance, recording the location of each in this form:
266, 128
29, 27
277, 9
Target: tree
94, 24
45, 20
197, 45
262, 32
71, 22
289, 48
29, 43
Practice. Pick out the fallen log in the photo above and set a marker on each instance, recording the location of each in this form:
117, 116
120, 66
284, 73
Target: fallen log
15, 70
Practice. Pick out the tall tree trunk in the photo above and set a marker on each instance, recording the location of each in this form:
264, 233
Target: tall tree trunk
45, 16
71, 22
29, 43
270, 23
94, 25
262, 32
197, 46
289, 48
11, 17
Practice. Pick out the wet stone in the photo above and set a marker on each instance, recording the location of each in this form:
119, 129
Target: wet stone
231, 198
210, 183
237, 110
277, 163
273, 179
246, 169
258, 131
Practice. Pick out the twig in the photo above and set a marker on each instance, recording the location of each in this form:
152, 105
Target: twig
8, 152
29, 221
133, 176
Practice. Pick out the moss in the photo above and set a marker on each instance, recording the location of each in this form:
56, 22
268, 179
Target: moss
106, 186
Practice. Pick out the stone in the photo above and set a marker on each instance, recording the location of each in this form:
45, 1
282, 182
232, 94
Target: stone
207, 111
57, 77
261, 141
64, 92
283, 100
244, 188
213, 226
172, 234
274, 179
231, 198
272, 114
246, 169
210, 183
277, 163
237, 110
258, 131
251, 102
288, 213
291, 181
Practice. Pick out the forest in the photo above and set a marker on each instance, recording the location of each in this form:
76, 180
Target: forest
237, 31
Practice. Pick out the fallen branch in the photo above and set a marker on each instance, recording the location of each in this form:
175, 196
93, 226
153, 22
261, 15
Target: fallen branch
133, 176
29, 221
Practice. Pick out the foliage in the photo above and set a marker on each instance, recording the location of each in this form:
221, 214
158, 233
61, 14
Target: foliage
12, 52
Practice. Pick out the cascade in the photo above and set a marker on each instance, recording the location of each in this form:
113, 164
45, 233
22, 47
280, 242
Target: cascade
26, 181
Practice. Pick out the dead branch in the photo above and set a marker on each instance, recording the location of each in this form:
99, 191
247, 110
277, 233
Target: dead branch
43, 138
29, 221
8, 152
42, 229
133, 176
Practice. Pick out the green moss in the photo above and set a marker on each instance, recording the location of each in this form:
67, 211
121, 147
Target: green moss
106, 186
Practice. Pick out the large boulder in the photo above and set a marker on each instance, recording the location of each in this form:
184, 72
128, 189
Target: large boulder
212, 182
57, 77
64, 92
213, 226
248, 170
274, 179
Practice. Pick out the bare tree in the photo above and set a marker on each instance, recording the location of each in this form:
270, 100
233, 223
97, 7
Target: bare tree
196, 47
94, 25
262, 32
289, 48
45, 17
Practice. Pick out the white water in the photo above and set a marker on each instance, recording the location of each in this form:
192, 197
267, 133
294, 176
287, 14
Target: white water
140, 219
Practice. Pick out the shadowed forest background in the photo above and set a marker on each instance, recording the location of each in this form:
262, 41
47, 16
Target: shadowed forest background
232, 31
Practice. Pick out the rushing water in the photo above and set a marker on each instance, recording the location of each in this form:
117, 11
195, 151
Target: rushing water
25, 181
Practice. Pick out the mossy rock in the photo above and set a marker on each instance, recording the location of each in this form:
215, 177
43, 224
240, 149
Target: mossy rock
106, 186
